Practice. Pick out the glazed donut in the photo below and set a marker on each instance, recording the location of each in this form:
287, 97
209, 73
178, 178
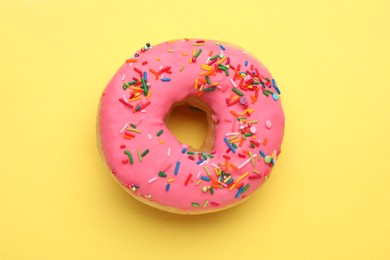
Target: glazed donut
245, 119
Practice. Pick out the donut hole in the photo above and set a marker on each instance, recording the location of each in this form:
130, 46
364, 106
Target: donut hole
190, 121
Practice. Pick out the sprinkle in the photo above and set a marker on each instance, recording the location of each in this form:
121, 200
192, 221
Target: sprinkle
262, 153
123, 129
275, 86
199, 162
229, 145
145, 76
246, 162
150, 136
238, 92
131, 60
215, 166
183, 151
123, 77
205, 178
188, 179
165, 79
169, 152
125, 103
222, 47
205, 203
238, 193
194, 204
181, 68
145, 153
275, 96
129, 155
133, 130
166, 168
198, 53
214, 204
162, 141
267, 159
246, 63
268, 124
145, 62
152, 180
139, 155
162, 174
238, 180
233, 83
177, 167
167, 187
160, 132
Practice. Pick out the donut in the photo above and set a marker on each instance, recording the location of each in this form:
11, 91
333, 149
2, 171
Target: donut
245, 125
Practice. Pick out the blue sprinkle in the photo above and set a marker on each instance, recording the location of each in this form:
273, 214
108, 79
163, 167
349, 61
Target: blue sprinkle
205, 178
230, 181
165, 79
167, 187
272, 162
275, 86
138, 108
275, 96
222, 47
262, 153
199, 162
246, 63
229, 144
177, 168
145, 76
184, 150
238, 192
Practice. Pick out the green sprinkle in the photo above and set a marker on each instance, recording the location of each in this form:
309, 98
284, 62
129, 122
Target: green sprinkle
245, 188
198, 53
210, 155
126, 85
267, 79
265, 93
211, 190
238, 92
247, 134
145, 153
208, 80
221, 67
255, 83
129, 155
194, 204
209, 89
133, 125
235, 146
252, 145
162, 174
214, 57
190, 153
160, 132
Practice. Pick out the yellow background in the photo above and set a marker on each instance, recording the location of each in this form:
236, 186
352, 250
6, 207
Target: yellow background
329, 194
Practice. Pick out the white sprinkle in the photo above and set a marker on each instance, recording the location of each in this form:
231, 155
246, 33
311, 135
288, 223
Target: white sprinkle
268, 124
162, 76
215, 166
208, 59
124, 127
143, 111
150, 136
152, 180
130, 64
230, 134
123, 77
274, 156
246, 162
197, 176
233, 83
169, 152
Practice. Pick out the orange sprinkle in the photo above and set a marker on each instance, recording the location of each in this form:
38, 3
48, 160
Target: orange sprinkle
149, 94
162, 141
241, 142
134, 99
171, 180
265, 141
196, 84
210, 53
245, 151
185, 54
131, 60
172, 41
234, 167
203, 80
157, 59
154, 72
234, 113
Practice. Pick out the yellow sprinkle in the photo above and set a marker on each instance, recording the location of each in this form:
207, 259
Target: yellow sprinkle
199, 182
170, 51
184, 54
227, 179
162, 141
194, 52
133, 130
222, 60
238, 180
252, 161
157, 59
206, 67
149, 94
171, 180
207, 170
235, 140
172, 41
256, 171
134, 99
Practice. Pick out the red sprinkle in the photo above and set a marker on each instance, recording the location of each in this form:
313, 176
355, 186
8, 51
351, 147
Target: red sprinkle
123, 146
188, 179
214, 204
252, 177
125, 103
145, 62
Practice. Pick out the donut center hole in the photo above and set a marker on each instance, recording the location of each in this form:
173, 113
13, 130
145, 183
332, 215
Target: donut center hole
191, 123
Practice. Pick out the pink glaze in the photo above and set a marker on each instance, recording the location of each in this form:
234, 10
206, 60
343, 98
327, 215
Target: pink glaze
185, 193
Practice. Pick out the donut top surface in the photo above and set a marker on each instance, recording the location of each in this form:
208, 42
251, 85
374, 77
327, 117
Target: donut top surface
148, 160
